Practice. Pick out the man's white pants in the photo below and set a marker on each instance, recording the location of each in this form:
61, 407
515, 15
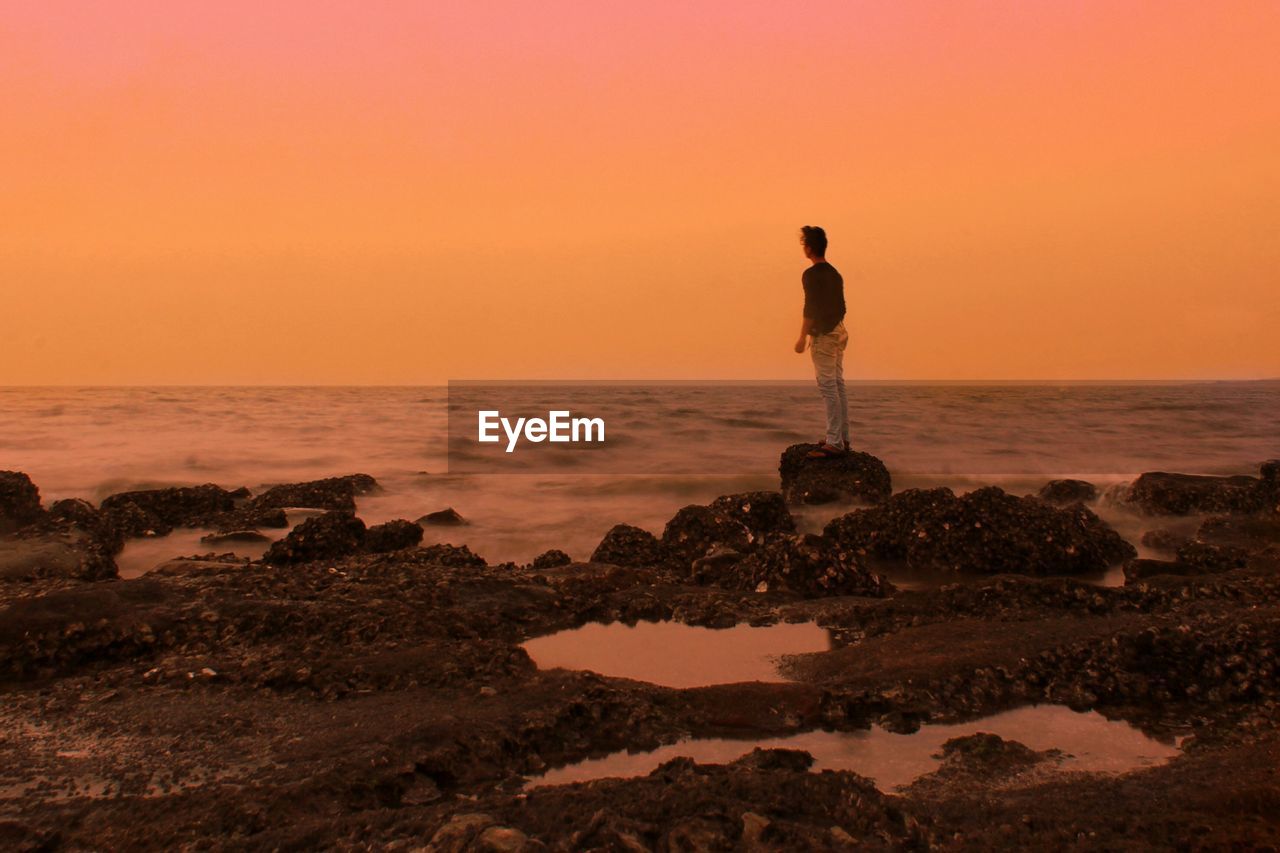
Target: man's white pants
828, 365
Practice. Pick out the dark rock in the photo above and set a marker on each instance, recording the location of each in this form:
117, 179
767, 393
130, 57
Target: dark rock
56, 555
1160, 493
1269, 485
335, 493
184, 506
19, 501
247, 536
810, 566
1210, 559
625, 545
987, 753
695, 530
550, 560
458, 556
250, 516
1140, 569
1164, 539
792, 760
761, 512
1068, 492
126, 519
1249, 532
853, 476
443, 518
392, 536
984, 532
329, 536
884, 531
77, 512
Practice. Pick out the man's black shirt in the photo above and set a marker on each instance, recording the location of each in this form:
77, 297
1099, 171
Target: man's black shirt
823, 297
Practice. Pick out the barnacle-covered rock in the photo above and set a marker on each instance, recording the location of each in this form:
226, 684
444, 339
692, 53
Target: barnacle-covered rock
808, 565
335, 493
328, 536
1068, 491
983, 532
695, 530
19, 501
853, 476
761, 512
1161, 493
625, 545
392, 536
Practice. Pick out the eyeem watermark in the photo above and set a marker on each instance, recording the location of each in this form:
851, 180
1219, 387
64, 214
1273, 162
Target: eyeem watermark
559, 427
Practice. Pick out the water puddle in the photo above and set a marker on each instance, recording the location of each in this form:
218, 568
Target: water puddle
672, 654
1092, 743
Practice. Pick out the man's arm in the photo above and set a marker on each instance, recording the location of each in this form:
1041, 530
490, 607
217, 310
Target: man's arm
806, 315
806, 326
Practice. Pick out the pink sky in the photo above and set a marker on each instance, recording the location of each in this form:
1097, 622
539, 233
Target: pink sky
403, 192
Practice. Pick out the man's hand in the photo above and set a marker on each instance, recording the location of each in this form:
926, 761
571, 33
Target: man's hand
800, 344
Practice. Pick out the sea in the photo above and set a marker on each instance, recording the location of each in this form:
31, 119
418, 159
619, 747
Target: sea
708, 439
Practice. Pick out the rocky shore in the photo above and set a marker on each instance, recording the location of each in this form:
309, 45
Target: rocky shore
354, 689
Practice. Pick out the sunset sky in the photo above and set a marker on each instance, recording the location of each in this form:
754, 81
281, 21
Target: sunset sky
399, 193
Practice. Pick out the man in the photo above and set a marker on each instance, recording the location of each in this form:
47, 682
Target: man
823, 322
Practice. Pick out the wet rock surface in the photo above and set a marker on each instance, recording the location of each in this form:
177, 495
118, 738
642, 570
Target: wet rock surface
19, 501
448, 517
854, 476
1161, 493
392, 536
334, 493
332, 535
625, 545
383, 700
809, 565
983, 532
1062, 492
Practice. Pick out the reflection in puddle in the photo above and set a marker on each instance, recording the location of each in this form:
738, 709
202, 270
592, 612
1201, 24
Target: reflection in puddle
676, 655
1091, 742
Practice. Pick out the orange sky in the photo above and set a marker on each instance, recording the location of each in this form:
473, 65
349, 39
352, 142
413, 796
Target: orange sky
294, 192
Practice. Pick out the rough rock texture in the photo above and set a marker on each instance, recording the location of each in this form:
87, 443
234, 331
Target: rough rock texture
328, 536
1160, 493
762, 513
695, 530
335, 493
1139, 569
1250, 532
165, 509
1213, 558
234, 536
625, 545
983, 532
811, 566
443, 518
68, 555
854, 476
75, 511
1269, 486
1061, 492
392, 536
550, 559
458, 556
1163, 539
19, 501
250, 517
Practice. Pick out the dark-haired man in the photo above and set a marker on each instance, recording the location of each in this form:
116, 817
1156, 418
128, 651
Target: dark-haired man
823, 324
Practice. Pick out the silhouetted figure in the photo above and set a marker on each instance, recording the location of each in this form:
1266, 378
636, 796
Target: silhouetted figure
823, 325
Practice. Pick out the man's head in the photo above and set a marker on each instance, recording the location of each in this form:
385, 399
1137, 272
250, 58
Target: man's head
814, 240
